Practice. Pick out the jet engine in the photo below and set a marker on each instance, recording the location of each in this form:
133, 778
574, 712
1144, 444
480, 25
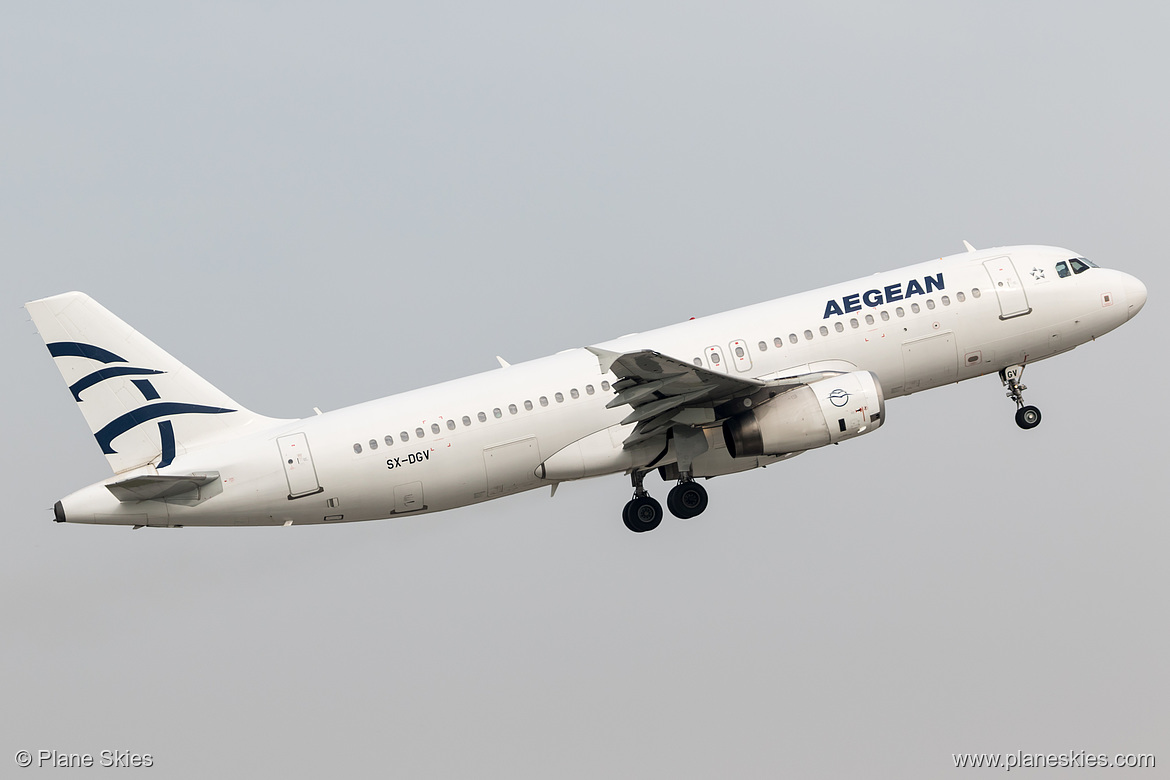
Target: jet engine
823, 412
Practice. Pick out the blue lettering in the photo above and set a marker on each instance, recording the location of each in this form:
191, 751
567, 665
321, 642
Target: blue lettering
888, 294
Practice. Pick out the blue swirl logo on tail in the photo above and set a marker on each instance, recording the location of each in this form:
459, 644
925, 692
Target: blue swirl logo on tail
132, 419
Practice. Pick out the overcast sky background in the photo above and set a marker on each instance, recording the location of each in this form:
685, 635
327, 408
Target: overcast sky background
316, 205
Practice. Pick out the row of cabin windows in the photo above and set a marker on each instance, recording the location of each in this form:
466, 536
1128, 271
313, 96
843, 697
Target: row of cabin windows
497, 413
778, 342
839, 326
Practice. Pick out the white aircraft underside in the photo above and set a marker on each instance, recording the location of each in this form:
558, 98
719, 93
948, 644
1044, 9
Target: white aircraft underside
703, 398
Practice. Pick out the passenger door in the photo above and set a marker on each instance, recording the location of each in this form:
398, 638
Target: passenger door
1013, 302
298, 465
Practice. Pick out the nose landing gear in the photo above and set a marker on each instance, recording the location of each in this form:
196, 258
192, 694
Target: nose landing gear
1027, 417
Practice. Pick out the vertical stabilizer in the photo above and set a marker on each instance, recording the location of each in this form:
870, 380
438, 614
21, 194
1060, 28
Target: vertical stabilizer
143, 406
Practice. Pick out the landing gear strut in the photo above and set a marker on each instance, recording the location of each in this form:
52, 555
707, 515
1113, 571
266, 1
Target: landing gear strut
641, 513
1027, 417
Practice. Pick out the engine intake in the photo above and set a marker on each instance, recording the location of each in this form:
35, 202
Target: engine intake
823, 412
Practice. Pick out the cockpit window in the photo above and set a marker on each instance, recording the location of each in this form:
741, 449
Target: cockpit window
1062, 269
1088, 262
1078, 266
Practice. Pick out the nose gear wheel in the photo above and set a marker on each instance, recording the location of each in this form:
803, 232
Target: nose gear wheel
1027, 417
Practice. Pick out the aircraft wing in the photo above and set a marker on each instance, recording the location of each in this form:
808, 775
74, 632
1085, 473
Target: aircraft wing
663, 391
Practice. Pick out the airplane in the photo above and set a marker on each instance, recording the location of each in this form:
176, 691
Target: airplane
695, 400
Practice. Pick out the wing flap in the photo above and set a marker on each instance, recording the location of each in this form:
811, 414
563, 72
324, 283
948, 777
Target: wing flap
663, 391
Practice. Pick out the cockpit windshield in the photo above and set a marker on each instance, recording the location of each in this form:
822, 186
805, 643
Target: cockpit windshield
1079, 266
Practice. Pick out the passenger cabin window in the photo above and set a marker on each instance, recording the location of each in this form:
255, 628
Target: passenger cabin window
574, 394
960, 297
763, 345
739, 352
434, 427
946, 301
824, 331
389, 440
914, 307
589, 388
560, 398
930, 303
853, 323
450, 425
900, 311
481, 417
885, 316
792, 338
839, 327
779, 342
544, 400
404, 436
976, 292
357, 449
466, 420
1062, 269
697, 362
497, 413
512, 409
373, 444
808, 335
604, 385
869, 319
419, 433
528, 406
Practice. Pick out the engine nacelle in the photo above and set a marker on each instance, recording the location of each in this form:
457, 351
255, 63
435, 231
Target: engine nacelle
823, 412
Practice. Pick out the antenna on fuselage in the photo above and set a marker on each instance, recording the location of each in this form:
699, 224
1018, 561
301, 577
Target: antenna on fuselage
969, 247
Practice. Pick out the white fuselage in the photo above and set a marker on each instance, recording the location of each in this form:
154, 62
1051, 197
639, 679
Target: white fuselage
484, 436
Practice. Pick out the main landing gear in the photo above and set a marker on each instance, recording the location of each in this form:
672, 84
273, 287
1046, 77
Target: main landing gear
687, 499
642, 513
1027, 417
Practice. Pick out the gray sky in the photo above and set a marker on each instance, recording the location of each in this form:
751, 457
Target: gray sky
316, 206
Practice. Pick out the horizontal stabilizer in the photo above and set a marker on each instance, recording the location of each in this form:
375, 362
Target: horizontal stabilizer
153, 487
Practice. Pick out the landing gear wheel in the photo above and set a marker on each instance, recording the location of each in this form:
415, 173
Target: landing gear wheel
686, 500
1027, 417
642, 514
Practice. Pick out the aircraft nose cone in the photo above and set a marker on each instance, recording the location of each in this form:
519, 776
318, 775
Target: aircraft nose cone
1135, 295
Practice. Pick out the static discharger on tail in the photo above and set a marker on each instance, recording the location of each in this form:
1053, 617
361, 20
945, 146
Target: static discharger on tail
700, 399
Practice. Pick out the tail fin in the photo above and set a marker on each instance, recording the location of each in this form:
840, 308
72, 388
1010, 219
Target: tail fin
143, 406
